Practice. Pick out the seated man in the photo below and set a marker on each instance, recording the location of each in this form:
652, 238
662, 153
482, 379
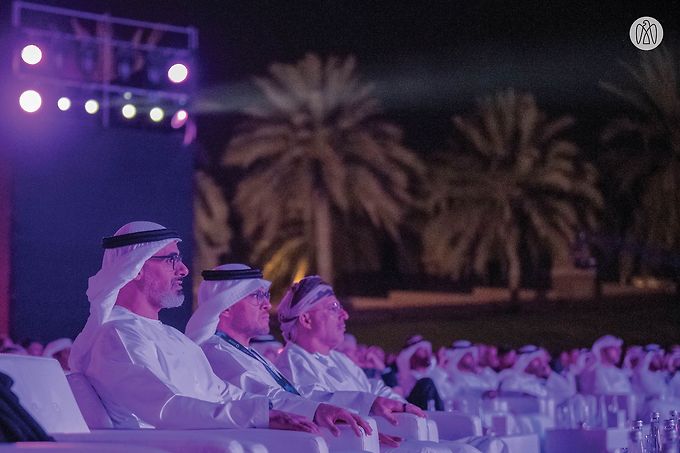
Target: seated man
531, 375
604, 376
313, 323
419, 376
464, 373
233, 307
148, 374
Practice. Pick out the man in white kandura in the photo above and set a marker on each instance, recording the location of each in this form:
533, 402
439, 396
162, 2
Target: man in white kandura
604, 376
233, 307
465, 376
148, 374
313, 324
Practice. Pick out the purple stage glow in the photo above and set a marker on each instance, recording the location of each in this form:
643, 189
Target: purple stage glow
30, 101
31, 54
178, 73
179, 119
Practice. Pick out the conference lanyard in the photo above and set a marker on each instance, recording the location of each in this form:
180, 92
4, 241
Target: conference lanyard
278, 377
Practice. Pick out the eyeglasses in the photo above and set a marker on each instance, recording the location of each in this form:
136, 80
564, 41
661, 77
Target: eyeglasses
335, 307
261, 297
173, 258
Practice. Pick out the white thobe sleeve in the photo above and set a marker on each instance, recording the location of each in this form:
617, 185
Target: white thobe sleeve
379, 388
521, 384
128, 374
255, 379
560, 387
308, 380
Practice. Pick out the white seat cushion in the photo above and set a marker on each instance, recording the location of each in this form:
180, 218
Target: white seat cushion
88, 401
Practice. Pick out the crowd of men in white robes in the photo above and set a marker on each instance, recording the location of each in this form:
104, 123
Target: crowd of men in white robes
225, 373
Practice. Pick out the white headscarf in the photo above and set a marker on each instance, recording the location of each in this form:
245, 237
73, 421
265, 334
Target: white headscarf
120, 265
288, 315
526, 355
460, 349
215, 296
57, 345
605, 342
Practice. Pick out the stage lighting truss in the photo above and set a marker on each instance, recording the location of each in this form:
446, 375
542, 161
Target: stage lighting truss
143, 66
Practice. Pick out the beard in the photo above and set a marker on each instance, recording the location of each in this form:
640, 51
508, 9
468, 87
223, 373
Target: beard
170, 300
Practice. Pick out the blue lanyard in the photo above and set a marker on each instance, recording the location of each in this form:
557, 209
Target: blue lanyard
278, 377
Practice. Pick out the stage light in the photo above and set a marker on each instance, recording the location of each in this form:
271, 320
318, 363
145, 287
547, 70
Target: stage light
31, 54
178, 119
129, 111
127, 95
30, 101
91, 106
156, 114
178, 73
64, 103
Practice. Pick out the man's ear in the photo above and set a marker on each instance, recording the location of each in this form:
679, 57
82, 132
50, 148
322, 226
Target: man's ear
305, 320
226, 314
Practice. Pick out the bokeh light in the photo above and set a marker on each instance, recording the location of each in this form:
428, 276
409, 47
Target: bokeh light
156, 114
178, 73
91, 106
31, 54
179, 118
64, 103
30, 101
129, 111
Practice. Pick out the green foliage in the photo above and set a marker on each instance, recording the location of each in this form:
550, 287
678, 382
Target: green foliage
516, 185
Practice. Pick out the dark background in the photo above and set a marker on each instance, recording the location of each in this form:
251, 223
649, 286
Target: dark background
76, 181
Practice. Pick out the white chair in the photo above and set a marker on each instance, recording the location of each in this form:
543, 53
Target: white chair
73, 447
44, 391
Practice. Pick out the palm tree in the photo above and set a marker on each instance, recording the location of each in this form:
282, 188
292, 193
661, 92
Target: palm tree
517, 189
211, 226
317, 156
645, 150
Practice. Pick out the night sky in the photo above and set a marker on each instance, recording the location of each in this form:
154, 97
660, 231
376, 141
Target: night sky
428, 60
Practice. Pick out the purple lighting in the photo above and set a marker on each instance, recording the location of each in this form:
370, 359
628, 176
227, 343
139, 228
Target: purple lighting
31, 54
30, 101
178, 73
178, 119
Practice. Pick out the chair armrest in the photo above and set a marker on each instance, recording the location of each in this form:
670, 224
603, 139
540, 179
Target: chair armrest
172, 441
75, 447
349, 441
410, 427
456, 425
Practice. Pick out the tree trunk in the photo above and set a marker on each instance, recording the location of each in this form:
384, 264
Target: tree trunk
322, 234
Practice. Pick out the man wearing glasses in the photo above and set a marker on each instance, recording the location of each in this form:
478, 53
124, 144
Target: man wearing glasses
148, 374
233, 308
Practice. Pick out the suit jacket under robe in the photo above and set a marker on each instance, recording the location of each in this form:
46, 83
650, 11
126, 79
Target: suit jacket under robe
317, 375
150, 375
248, 374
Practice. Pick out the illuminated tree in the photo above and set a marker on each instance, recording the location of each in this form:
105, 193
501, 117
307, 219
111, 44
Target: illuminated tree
211, 226
317, 156
516, 184
643, 150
